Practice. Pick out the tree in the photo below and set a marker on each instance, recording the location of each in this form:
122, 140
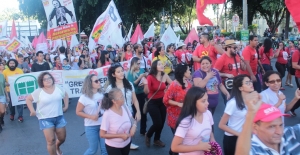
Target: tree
273, 11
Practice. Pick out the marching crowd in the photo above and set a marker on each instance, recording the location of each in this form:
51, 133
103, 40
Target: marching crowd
181, 84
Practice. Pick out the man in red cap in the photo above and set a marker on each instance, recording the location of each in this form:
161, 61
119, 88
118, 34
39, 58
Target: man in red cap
269, 137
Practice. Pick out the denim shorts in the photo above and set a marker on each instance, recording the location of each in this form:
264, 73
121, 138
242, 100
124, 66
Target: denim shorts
3, 99
56, 122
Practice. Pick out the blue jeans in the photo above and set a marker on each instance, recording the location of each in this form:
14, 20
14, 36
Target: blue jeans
93, 136
257, 84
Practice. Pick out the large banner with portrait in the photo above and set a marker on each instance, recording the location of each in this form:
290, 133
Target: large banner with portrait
61, 18
71, 81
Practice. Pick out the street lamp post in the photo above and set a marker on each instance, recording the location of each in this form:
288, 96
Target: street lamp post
171, 18
162, 25
79, 31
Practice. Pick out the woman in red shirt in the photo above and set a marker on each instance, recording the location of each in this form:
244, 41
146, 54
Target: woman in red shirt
175, 94
291, 71
282, 60
127, 55
156, 107
266, 54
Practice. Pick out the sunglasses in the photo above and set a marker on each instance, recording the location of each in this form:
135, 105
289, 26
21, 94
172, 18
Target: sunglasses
96, 81
233, 47
138, 63
273, 81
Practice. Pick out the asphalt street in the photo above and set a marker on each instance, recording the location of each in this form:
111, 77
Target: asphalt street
26, 138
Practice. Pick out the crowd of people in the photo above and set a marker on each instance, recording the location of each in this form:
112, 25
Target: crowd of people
181, 83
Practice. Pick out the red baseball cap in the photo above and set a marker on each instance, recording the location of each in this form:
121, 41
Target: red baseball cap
268, 113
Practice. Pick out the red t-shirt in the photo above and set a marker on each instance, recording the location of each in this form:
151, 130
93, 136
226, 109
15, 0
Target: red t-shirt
264, 56
128, 56
183, 56
226, 64
153, 84
250, 55
201, 51
283, 57
296, 58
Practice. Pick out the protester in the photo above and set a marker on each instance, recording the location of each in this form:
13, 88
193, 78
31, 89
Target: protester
181, 53
266, 54
10, 71
171, 56
209, 79
296, 67
62, 53
104, 59
116, 127
282, 60
251, 61
57, 65
116, 78
138, 49
263, 131
155, 86
49, 111
194, 133
48, 60
175, 94
112, 53
23, 65
4, 98
235, 111
66, 65
127, 54
40, 65
136, 76
291, 71
229, 65
206, 49
89, 108
160, 55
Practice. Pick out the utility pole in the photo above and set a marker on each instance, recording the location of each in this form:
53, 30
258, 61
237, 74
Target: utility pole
245, 15
79, 32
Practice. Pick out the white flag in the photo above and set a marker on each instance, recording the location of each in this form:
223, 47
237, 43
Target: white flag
150, 31
3, 26
127, 38
74, 41
168, 37
116, 38
104, 27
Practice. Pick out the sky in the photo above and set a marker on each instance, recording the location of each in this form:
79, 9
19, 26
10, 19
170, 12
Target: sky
9, 4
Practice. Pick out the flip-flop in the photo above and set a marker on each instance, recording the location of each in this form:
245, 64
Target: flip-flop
291, 85
57, 152
287, 84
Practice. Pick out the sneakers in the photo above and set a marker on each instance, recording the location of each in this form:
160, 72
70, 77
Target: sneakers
133, 146
20, 119
147, 141
12, 117
159, 143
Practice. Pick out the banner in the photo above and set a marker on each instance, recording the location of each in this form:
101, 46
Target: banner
13, 45
105, 26
71, 81
61, 18
4, 42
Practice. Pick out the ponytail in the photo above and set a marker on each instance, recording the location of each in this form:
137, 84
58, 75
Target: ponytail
108, 97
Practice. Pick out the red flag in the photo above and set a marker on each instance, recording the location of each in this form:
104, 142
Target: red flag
138, 34
42, 43
34, 42
293, 7
191, 37
200, 7
13, 32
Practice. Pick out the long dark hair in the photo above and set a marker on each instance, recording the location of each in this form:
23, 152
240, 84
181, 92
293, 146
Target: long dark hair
179, 73
267, 45
112, 80
102, 57
153, 69
189, 104
158, 49
236, 93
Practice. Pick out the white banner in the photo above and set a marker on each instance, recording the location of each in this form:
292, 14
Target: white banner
71, 81
61, 18
3, 27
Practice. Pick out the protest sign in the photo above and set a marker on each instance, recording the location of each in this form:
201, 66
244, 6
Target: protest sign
71, 81
61, 18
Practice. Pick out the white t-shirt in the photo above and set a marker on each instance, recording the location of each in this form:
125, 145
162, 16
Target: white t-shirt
270, 97
128, 98
48, 105
92, 107
236, 116
52, 57
114, 123
62, 57
193, 132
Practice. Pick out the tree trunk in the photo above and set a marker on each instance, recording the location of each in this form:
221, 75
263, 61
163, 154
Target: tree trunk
287, 24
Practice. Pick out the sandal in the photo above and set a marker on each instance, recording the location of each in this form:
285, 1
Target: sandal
287, 84
291, 85
59, 153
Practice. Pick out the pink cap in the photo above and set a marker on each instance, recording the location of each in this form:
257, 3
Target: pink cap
268, 113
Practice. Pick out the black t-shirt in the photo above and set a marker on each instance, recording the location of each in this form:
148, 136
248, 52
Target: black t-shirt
37, 67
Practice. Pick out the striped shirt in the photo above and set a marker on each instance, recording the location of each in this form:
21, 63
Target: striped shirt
290, 143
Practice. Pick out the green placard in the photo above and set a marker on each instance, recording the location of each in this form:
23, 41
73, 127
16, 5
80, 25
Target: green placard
245, 35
